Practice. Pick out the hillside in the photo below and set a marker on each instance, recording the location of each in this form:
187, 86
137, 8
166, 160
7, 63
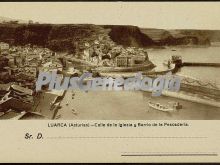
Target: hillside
55, 37
129, 36
63, 37
211, 35
183, 37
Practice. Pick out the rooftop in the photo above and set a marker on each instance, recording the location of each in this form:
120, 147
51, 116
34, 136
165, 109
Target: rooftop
22, 89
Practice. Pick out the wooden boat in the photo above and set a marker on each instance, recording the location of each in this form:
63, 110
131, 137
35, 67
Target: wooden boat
165, 108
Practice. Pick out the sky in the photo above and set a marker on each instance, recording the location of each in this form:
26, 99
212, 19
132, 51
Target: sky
165, 15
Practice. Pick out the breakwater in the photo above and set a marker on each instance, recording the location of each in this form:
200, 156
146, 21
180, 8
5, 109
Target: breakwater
200, 64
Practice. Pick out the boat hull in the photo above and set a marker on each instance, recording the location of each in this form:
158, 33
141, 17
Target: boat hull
159, 107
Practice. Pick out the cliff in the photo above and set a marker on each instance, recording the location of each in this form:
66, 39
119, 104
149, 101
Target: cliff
203, 36
129, 36
63, 37
55, 37
182, 37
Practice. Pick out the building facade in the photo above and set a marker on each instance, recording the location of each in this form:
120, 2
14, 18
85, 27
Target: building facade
4, 48
129, 61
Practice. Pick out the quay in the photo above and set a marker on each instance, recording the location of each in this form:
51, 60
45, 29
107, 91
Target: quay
200, 64
177, 60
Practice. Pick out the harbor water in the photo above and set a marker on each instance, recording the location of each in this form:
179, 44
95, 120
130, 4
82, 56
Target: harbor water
132, 105
201, 54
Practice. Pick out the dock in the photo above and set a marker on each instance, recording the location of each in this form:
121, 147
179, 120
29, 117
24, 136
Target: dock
177, 60
200, 64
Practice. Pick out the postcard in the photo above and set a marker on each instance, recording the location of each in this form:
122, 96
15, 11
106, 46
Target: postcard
110, 82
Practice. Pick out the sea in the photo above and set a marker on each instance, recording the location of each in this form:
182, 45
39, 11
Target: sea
190, 54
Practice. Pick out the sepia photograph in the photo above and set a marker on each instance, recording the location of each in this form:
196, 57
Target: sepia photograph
109, 82
109, 61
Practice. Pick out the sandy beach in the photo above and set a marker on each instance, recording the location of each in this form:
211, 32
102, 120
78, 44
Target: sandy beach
44, 106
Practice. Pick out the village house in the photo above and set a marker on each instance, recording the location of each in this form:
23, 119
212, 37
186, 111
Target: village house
8, 70
11, 60
129, 60
21, 89
12, 49
4, 76
30, 70
50, 66
9, 114
87, 45
123, 61
4, 48
24, 78
18, 98
86, 54
19, 60
23, 115
4, 88
8, 102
